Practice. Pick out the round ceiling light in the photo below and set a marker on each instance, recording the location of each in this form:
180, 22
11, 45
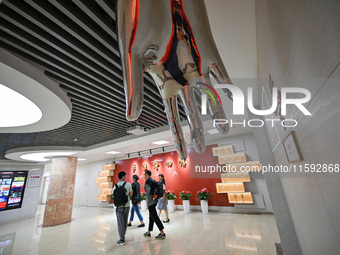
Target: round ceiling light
17, 110
45, 156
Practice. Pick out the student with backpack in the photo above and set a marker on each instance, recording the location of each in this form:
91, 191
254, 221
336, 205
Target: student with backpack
135, 199
153, 190
121, 199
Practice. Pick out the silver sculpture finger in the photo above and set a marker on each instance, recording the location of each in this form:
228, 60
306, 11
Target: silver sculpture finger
171, 109
214, 105
132, 64
183, 57
187, 95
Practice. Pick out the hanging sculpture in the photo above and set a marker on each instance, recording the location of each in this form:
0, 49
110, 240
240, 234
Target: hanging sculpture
179, 66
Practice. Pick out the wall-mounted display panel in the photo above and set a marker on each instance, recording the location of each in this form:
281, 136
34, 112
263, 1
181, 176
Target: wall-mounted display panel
103, 179
12, 187
240, 198
109, 167
250, 166
235, 177
229, 187
222, 150
106, 191
232, 158
106, 173
105, 185
104, 198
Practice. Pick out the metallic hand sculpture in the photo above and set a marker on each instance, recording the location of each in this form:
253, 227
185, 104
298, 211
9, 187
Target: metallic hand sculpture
188, 57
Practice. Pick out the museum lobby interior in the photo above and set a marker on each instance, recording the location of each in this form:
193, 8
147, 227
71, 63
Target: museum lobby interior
233, 103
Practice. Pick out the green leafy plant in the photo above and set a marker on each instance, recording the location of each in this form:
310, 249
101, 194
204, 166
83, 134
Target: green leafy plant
171, 195
185, 195
204, 194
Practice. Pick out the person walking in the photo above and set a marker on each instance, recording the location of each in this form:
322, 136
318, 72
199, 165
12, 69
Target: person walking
151, 201
121, 198
161, 205
135, 199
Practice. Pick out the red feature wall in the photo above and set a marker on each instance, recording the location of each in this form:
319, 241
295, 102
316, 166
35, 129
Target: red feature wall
177, 178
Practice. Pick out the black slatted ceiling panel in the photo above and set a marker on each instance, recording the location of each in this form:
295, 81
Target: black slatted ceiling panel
75, 42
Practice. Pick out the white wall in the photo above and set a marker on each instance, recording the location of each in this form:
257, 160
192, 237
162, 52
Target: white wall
233, 27
86, 189
299, 45
31, 195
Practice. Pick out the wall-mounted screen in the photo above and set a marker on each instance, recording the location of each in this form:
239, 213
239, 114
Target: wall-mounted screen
12, 187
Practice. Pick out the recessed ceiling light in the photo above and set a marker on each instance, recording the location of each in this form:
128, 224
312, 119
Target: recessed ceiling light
161, 142
42, 156
20, 111
82, 159
112, 152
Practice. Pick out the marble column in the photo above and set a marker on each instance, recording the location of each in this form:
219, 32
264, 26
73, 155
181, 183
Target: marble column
59, 203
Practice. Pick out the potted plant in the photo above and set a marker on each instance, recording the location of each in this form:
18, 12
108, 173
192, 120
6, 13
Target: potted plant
185, 196
204, 195
171, 195
143, 201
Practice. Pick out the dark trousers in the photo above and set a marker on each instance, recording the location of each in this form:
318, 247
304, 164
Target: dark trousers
122, 214
153, 218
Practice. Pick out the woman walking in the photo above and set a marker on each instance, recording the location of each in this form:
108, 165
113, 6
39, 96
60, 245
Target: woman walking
135, 199
161, 206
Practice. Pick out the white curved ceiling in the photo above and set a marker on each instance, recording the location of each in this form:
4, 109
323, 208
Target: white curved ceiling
30, 82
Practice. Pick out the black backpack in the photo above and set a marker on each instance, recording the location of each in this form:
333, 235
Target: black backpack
119, 195
158, 189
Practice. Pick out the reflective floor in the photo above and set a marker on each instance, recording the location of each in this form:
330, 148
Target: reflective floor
94, 231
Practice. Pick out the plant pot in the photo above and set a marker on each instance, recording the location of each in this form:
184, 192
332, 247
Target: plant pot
186, 206
204, 206
143, 205
171, 204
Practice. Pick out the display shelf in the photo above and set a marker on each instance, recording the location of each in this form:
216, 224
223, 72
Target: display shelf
105, 182
104, 198
106, 173
235, 177
105, 191
103, 179
222, 150
250, 166
109, 167
230, 187
232, 158
105, 185
240, 198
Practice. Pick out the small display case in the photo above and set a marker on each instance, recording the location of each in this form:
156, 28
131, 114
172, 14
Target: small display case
229, 187
106, 173
232, 158
240, 198
222, 150
105, 185
235, 177
104, 198
250, 166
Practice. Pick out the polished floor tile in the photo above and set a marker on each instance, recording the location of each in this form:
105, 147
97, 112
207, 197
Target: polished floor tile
93, 230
